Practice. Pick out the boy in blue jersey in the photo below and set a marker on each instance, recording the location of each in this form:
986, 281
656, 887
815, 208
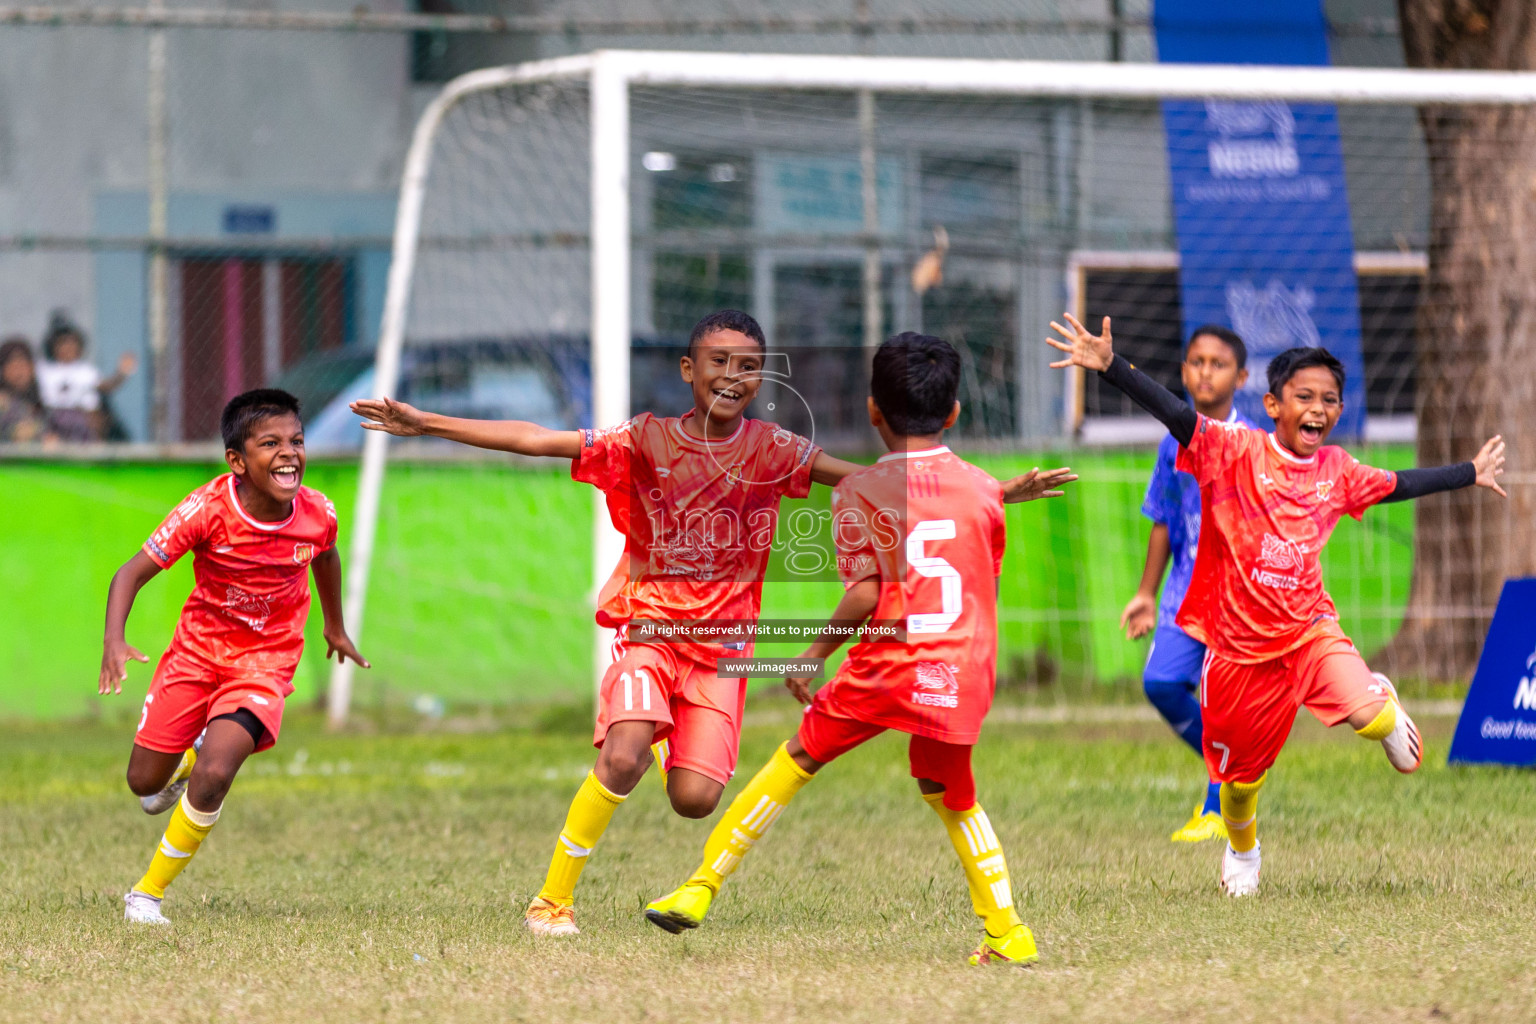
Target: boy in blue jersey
1214, 369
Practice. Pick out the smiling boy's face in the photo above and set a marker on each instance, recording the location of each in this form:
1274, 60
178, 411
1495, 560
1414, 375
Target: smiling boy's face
725, 372
273, 457
1307, 409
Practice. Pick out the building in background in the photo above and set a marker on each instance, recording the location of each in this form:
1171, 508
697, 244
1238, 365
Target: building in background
284, 150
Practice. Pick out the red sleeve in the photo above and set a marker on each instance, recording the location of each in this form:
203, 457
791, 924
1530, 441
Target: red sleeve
605, 456
853, 533
1214, 447
801, 454
332, 528
185, 528
1364, 486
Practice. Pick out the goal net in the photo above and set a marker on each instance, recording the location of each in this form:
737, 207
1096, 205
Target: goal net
563, 224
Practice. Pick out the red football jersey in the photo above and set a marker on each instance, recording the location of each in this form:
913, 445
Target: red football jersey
698, 516
930, 526
247, 609
1265, 514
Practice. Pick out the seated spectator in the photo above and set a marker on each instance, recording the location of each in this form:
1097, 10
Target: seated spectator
71, 386
22, 417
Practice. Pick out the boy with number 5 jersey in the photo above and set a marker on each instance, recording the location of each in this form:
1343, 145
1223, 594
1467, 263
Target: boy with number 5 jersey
682, 490
920, 540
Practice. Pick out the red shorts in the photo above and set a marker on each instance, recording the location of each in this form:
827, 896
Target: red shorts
826, 736
187, 693
1247, 711
696, 712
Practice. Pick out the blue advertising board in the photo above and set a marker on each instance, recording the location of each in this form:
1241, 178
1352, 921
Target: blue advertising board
1259, 199
1498, 720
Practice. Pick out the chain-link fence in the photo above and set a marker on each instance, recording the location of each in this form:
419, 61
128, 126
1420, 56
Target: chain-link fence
203, 200
202, 197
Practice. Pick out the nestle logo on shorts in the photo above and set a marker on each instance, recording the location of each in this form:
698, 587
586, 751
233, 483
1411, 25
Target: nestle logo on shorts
770, 668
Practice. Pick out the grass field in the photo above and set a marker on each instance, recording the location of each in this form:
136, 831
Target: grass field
381, 877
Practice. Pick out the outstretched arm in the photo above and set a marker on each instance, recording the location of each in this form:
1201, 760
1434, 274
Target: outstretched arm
858, 604
1096, 352
1484, 471
830, 470
115, 650
1037, 483
516, 436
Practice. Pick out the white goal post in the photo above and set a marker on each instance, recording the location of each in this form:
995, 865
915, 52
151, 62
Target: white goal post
609, 76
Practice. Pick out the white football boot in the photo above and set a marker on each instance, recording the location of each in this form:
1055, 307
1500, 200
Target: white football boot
1404, 746
142, 908
1240, 872
159, 803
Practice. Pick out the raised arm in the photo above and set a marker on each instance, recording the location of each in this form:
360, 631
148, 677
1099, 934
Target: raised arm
1096, 352
1484, 471
516, 436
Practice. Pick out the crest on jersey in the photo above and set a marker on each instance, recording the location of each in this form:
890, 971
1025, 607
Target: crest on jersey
303, 553
1279, 553
1324, 488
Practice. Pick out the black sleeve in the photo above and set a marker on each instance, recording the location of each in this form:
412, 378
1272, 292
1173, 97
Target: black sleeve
1415, 483
1176, 415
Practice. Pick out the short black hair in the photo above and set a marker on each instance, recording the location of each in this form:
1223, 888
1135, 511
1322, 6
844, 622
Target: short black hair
914, 381
1293, 360
60, 326
1226, 336
245, 410
727, 320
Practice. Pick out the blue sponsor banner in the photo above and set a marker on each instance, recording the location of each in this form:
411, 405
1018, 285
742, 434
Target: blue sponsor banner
1259, 198
1498, 720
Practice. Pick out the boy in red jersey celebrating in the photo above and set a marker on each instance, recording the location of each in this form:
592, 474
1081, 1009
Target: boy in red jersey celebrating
920, 539
255, 533
697, 500
1269, 502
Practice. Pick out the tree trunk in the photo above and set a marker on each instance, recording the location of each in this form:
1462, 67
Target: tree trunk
1476, 336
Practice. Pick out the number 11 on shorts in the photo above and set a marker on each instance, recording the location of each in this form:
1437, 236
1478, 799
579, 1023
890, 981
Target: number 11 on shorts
629, 690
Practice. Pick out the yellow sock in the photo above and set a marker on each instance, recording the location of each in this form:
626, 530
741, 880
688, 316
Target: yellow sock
184, 769
184, 834
1382, 725
748, 817
585, 823
986, 869
1239, 809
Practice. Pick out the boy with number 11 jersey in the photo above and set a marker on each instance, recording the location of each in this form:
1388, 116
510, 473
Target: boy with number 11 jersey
696, 497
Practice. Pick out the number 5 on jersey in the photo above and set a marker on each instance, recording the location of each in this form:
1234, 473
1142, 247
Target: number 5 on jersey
934, 567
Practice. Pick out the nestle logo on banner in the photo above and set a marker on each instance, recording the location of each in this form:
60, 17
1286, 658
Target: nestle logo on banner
1253, 140
1271, 319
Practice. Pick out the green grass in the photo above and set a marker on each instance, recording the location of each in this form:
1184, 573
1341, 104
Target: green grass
382, 877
